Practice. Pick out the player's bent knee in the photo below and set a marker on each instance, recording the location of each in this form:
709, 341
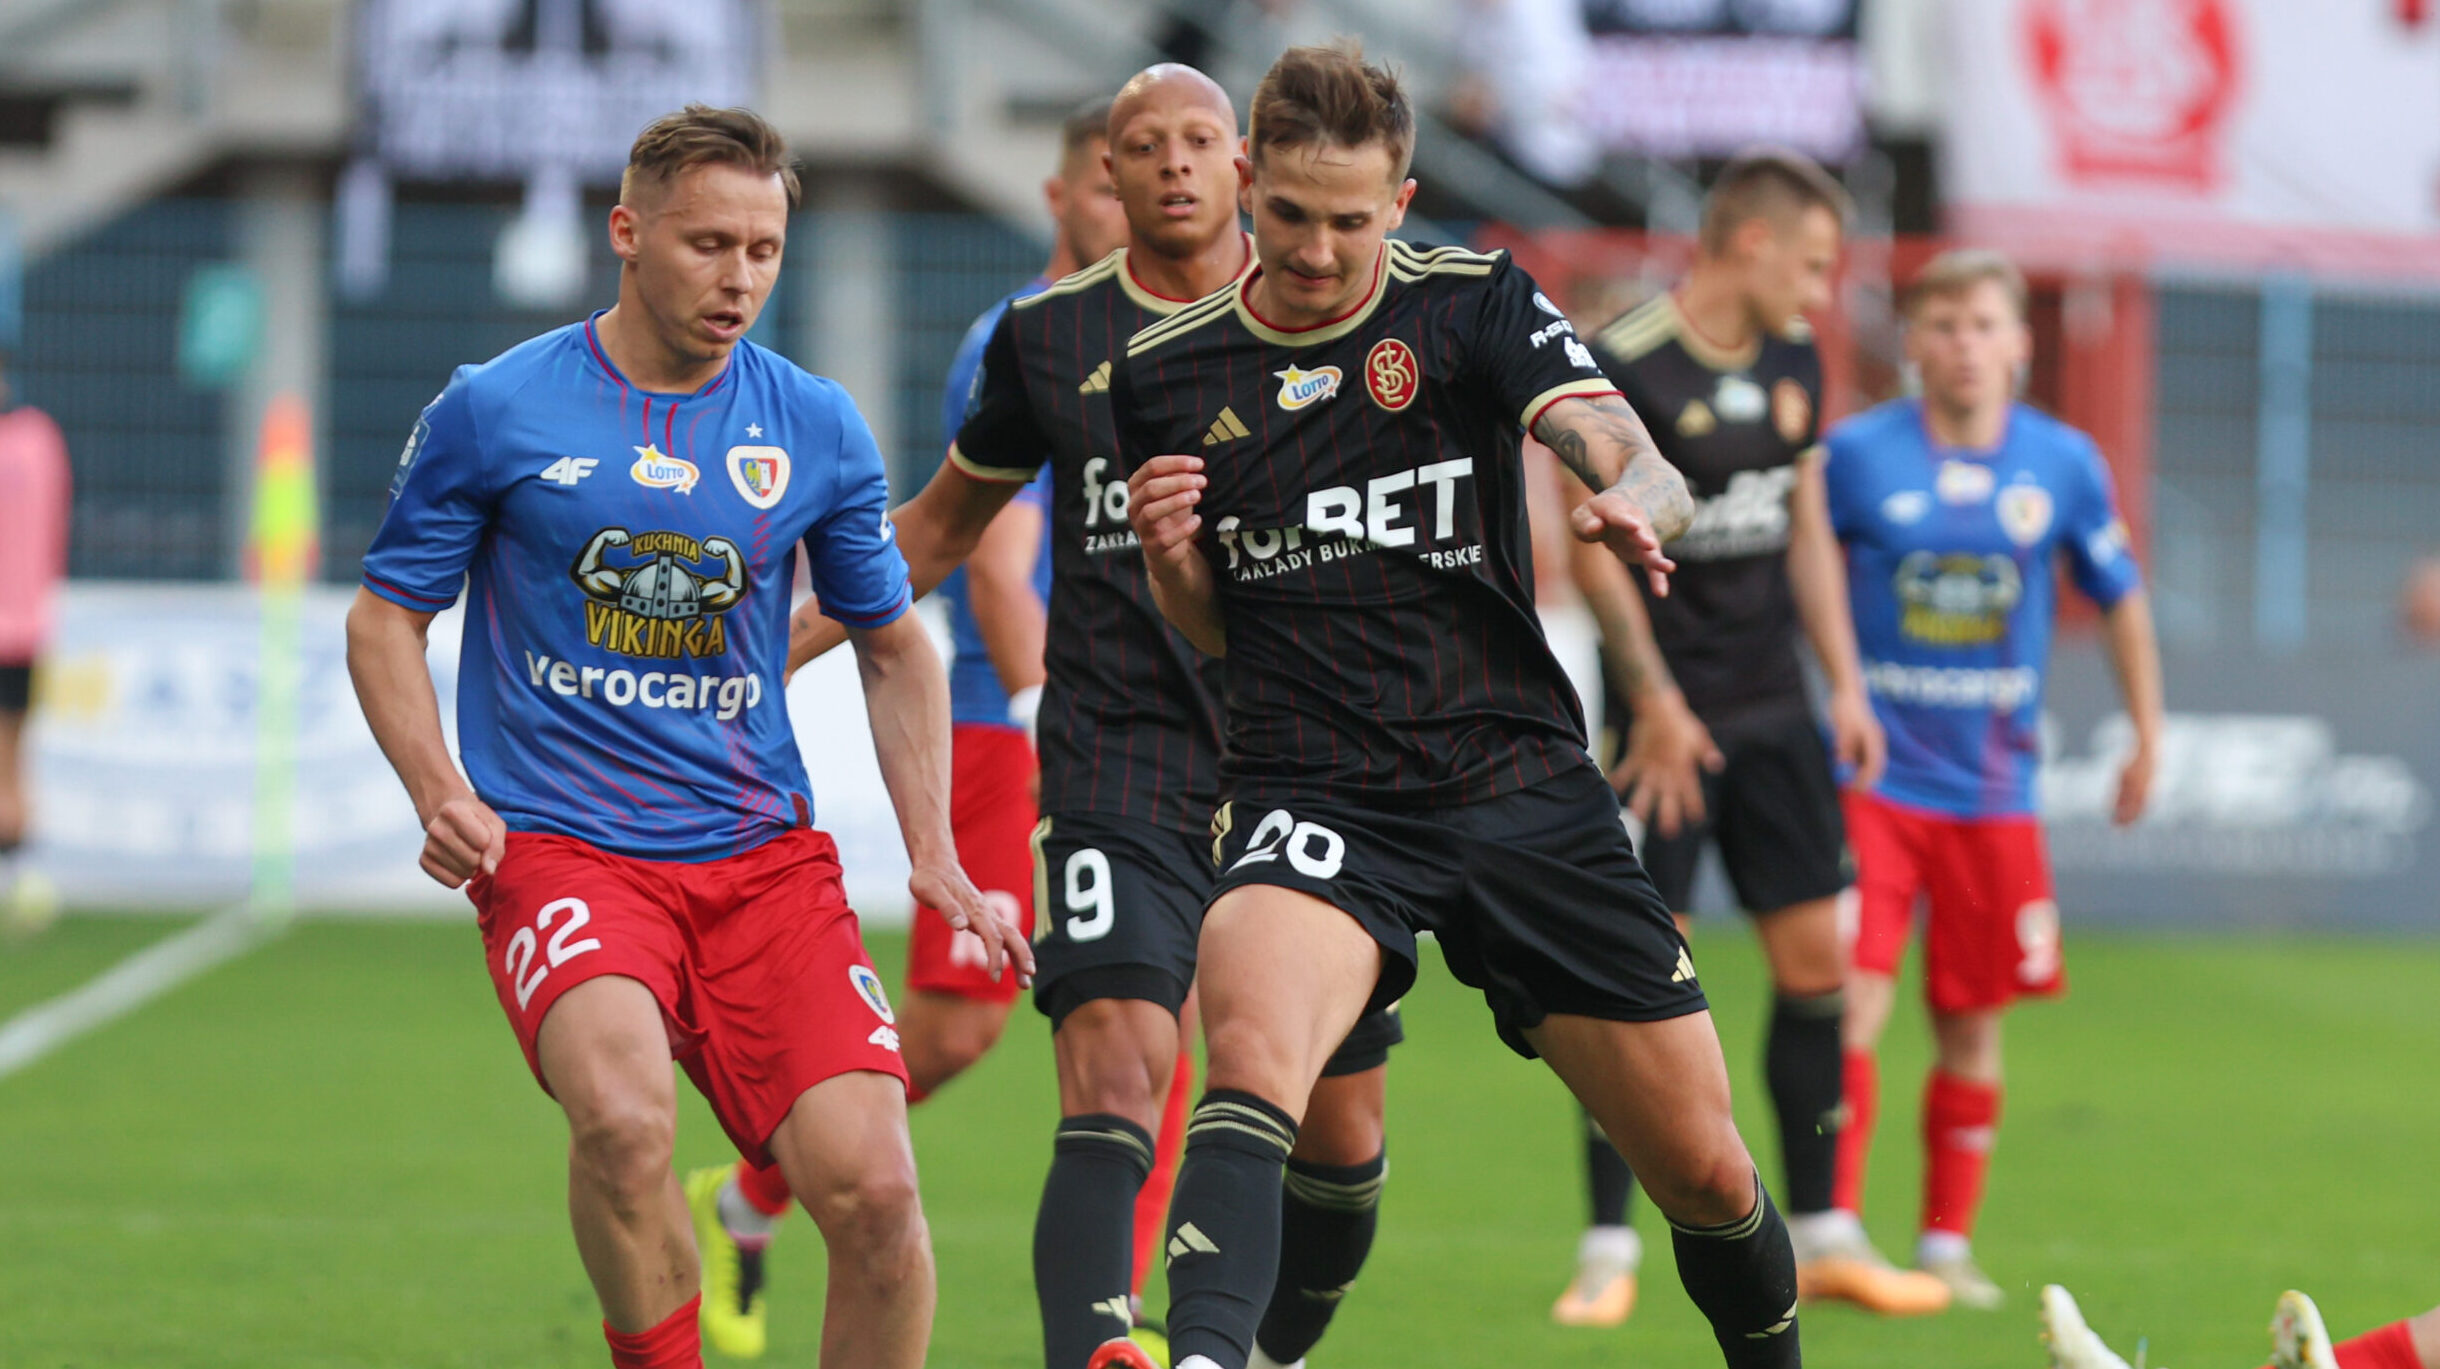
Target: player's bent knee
1248, 1055
1115, 1057
874, 1209
622, 1150
1344, 1124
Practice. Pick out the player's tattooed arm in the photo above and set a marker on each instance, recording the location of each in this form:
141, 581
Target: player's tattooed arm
1606, 444
1640, 502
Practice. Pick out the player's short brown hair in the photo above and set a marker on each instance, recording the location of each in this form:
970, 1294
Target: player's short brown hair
1328, 93
700, 135
1088, 123
1084, 125
1961, 269
1767, 182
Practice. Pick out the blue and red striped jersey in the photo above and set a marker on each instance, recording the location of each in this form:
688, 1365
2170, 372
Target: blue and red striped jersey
1950, 558
627, 558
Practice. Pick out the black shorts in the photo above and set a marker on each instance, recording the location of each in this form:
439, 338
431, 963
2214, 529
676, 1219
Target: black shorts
16, 686
1536, 897
1117, 907
1773, 808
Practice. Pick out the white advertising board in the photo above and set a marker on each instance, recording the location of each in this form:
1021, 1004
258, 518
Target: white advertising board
2252, 134
143, 761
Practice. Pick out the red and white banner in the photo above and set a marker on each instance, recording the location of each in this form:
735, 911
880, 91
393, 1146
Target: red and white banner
2257, 134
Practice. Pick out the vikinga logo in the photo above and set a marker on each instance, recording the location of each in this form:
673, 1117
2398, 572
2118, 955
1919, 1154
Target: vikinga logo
1298, 388
659, 605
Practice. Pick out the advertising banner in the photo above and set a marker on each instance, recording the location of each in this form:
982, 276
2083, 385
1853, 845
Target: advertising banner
2241, 133
143, 752
2293, 791
1683, 79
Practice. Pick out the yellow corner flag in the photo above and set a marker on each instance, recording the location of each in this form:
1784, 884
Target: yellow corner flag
284, 541
282, 545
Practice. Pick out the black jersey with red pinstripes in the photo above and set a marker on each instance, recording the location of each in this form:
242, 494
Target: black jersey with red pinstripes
1365, 523
1130, 719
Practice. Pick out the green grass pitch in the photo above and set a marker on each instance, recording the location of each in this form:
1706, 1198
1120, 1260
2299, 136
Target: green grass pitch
329, 1154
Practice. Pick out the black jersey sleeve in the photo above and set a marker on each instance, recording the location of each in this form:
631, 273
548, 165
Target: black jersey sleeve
1516, 350
1000, 440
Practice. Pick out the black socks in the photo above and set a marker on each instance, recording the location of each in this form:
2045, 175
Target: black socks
1802, 1065
1224, 1224
1084, 1234
1328, 1215
1606, 1175
1742, 1275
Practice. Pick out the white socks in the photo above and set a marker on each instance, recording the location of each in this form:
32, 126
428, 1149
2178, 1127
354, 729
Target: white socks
1620, 1246
1939, 1247
749, 1228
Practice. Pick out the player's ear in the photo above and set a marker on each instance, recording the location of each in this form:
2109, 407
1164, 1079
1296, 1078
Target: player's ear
1398, 204
1245, 179
1054, 196
623, 222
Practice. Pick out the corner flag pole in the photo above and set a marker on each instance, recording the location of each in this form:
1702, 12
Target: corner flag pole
282, 547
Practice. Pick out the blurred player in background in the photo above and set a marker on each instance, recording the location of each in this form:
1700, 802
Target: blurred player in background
1723, 745
1130, 740
635, 828
954, 1008
2299, 1339
1957, 509
34, 510
1404, 751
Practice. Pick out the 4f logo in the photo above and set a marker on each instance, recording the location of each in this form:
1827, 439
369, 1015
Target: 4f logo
567, 470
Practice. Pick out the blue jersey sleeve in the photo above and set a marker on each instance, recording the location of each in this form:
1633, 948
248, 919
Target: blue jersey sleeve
440, 501
2100, 558
852, 549
966, 370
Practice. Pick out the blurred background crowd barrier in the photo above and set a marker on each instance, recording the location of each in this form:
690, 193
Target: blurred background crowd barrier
2230, 209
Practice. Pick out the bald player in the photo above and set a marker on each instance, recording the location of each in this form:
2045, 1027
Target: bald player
953, 1009
1129, 734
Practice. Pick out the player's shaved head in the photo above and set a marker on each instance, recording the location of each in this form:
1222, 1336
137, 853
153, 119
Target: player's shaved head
1169, 85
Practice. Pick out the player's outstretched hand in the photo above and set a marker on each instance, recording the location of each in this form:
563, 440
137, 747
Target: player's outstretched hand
1856, 738
1614, 518
1161, 499
465, 838
1668, 751
2134, 786
947, 889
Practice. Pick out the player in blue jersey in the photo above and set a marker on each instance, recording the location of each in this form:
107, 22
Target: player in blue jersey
1955, 510
625, 500
955, 1006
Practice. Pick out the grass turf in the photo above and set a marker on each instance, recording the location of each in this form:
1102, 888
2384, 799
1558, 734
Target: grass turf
329, 1153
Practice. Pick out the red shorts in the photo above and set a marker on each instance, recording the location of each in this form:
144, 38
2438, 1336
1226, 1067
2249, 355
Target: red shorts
991, 811
1993, 933
756, 961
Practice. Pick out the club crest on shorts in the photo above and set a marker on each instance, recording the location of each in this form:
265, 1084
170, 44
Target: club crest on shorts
1299, 387
2024, 513
868, 985
1391, 374
760, 474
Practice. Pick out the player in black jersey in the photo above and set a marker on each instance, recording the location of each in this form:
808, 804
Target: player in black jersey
1129, 740
1328, 491
1723, 745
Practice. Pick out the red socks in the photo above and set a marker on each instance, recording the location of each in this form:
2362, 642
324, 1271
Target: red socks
1152, 1200
765, 1190
676, 1343
1863, 1104
2391, 1347
1960, 1120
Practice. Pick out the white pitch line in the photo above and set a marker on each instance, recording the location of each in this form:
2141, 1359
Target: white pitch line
130, 984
